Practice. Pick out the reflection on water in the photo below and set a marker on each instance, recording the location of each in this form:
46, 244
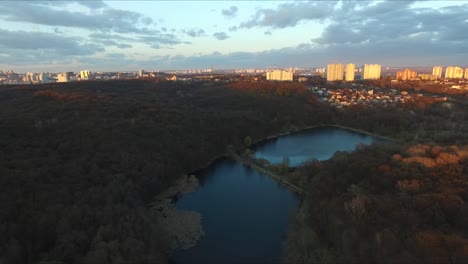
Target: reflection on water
318, 143
245, 214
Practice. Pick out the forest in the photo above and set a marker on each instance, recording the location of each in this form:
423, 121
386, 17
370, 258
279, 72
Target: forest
81, 162
400, 202
383, 204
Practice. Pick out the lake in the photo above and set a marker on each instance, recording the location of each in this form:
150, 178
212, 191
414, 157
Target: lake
245, 214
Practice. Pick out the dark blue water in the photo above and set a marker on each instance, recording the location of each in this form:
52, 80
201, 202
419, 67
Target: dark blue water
245, 215
318, 143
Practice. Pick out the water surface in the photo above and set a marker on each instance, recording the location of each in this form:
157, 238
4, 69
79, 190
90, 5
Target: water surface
318, 143
245, 214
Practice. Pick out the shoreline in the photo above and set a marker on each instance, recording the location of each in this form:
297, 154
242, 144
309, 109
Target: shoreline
181, 228
184, 228
227, 155
360, 131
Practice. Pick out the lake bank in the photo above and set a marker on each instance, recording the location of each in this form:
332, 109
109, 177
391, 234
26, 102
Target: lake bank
241, 208
182, 228
360, 131
191, 231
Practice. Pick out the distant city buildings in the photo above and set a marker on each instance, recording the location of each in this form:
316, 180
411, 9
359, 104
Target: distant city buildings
10, 77
427, 77
33, 78
449, 72
279, 75
407, 74
64, 77
453, 72
85, 75
350, 69
437, 72
457, 72
372, 71
334, 72
320, 70
360, 95
45, 78
172, 78
30, 77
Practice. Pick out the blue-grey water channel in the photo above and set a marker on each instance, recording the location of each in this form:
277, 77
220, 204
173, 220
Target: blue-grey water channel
245, 214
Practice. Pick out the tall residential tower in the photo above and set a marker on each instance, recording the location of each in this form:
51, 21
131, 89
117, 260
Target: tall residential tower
350, 68
437, 72
371, 71
453, 72
334, 72
85, 75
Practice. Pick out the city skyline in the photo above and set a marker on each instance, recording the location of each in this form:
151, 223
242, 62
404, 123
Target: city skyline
333, 72
58, 36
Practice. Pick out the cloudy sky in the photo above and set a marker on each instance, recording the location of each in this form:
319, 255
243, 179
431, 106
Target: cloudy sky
163, 35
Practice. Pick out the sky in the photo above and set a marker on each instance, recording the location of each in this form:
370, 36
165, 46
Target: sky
97, 35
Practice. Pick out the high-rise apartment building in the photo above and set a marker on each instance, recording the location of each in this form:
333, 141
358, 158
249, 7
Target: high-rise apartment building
453, 72
64, 76
437, 71
30, 77
44, 78
458, 72
372, 71
407, 74
334, 72
350, 68
85, 75
449, 72
279, 75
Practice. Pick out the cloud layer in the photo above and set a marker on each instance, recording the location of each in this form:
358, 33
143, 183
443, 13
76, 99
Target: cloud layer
107, 27
388, 32
290, 14
99, 16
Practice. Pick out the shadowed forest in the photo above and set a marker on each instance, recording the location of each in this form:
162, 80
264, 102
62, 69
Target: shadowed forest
401, 202
383, 204
81, 162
